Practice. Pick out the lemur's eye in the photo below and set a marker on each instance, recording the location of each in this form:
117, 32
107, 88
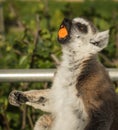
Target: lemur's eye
82, 27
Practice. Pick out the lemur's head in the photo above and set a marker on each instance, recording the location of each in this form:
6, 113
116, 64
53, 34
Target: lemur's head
80, 34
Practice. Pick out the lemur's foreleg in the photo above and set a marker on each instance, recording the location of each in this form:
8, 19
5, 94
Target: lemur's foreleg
44, 123
38, 99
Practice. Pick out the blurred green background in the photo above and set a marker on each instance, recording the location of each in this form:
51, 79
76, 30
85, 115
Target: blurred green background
29, 40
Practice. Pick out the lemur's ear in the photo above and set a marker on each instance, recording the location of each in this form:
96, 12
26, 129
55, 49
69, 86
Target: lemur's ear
100, 39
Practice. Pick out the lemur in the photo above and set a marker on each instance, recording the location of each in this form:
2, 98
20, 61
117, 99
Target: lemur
82, 96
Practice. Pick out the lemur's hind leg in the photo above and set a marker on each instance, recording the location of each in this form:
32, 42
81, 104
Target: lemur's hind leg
44, 123
39, 99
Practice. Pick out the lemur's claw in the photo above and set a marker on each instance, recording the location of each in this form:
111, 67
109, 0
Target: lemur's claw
17, 98
20, 97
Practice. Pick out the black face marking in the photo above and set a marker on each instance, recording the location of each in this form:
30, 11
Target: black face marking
82, 27
93, 28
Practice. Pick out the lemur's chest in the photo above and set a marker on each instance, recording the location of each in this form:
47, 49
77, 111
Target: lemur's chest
68, 107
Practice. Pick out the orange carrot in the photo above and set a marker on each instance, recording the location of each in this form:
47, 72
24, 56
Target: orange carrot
62, 32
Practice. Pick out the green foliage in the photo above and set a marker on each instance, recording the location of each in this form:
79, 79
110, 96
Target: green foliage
31, 37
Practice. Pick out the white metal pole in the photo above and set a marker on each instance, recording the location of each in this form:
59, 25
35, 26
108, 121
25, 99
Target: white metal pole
37, 75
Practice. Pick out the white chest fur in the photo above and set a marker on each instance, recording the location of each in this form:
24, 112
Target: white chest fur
69, 109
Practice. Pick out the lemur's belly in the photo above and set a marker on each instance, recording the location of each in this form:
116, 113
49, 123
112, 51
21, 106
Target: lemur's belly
69, 118
69, 109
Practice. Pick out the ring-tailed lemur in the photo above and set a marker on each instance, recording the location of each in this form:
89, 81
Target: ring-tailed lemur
82, 96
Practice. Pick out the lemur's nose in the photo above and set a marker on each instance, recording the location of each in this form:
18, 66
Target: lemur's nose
66, 21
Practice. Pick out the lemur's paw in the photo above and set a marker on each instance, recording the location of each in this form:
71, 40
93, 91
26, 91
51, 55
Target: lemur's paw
44, 122
17, 98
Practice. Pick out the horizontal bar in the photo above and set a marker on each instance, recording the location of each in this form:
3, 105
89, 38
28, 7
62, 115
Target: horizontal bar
113, 73
26, 75
37, 75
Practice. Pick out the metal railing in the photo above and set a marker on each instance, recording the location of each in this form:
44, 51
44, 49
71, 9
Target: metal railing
37, 75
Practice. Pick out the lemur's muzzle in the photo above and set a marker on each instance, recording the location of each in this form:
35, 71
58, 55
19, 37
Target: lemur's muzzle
64, 31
